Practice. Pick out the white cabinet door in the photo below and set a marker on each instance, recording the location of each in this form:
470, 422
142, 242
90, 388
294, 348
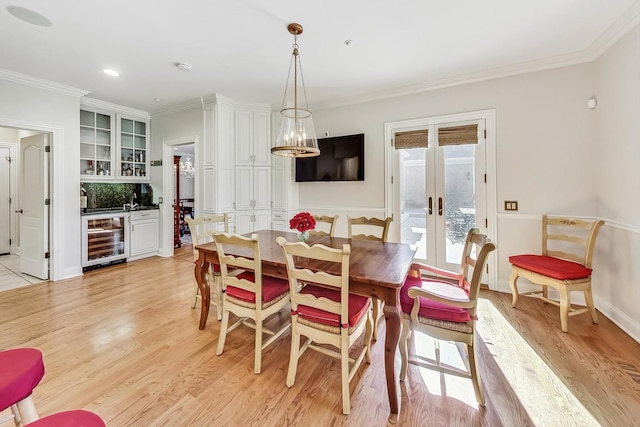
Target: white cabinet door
279, 226
262, 187
262, 220
278, 189
261, 138
144, 237
244, 222
133, 148
244, 188
244, 137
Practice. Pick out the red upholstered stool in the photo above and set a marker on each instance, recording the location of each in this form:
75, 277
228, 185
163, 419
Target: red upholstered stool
78, 418
21, 370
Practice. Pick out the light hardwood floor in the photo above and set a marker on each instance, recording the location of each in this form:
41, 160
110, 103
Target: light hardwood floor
123, 342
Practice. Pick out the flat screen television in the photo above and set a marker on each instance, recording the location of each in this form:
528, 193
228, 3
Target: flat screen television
341, 159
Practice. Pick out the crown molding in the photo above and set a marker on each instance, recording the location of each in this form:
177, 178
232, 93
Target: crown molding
41, 83
109, 106
185, 106
619, 28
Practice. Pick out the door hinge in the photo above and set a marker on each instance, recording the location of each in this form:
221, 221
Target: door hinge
392, 179
47, 202
47, 148
485, 178
9, 241
391, 142
485, 134
486, 223
46, 254
487, 268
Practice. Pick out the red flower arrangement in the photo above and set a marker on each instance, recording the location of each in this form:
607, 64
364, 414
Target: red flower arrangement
303, 221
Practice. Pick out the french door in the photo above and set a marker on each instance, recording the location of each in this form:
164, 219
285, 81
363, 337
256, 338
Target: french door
439, 189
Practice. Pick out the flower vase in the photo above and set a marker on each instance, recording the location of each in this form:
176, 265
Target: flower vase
303, 236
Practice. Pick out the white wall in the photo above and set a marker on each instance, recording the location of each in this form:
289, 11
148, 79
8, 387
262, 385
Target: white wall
616, 269
550, 158
28, 107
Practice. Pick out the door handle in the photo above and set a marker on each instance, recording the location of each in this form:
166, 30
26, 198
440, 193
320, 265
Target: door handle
430, 205
440, 206
20, 211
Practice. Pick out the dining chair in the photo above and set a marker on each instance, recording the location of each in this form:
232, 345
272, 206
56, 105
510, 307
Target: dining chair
324, 219
21, 370
443, 305
323, 310
380, 228
201, 229
565, 265
248, 294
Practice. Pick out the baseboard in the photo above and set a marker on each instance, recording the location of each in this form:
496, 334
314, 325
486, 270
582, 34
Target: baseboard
72, 272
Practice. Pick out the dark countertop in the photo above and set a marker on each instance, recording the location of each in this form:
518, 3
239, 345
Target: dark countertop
101, 211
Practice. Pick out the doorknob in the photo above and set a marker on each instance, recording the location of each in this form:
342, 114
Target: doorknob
440, 206
20, 211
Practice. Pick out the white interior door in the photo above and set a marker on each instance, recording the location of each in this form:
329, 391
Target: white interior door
5, 206
441, 192
34, 213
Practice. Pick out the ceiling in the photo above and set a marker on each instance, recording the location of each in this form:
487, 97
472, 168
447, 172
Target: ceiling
242, 50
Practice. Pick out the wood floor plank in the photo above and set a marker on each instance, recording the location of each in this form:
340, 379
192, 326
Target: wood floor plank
124, 342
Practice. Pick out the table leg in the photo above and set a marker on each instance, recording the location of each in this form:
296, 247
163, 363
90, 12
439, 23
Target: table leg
200, 271
393, 326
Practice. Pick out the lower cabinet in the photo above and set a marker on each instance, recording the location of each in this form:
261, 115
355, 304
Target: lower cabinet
143, 234
250, 221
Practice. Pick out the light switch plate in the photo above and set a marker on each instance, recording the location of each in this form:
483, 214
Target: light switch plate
510, 205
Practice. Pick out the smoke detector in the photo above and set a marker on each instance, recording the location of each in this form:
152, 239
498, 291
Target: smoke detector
183, 66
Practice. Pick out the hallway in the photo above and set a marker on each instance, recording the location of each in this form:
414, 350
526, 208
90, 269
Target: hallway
10, 276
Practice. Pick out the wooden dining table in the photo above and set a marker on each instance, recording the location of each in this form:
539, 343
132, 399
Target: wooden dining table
376, 269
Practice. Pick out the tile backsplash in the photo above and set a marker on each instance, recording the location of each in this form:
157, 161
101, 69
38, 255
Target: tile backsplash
108, 195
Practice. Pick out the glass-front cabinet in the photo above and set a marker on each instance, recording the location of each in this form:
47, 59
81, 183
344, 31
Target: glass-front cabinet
133, 147
113, 146
96, 142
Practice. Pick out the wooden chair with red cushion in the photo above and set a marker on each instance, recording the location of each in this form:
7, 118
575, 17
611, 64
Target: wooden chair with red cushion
445, 308
323, 310
565, 264
248, 294
21, 370
201, 230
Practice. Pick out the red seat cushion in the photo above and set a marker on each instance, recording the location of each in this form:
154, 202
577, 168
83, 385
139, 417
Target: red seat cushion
272, 288
78, 418
429, 308
21, 370
358, 306
549, 266
216, 267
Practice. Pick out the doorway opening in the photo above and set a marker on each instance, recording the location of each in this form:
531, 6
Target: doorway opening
25, 238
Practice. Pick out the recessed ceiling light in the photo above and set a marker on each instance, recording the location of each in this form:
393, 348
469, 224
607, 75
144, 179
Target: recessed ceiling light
348, 42
29, 16
156, 99
111, 73
183, 66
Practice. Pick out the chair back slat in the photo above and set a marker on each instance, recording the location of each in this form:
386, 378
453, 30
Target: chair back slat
324, 219
249, 247
298, 256
381, 226
569, 238
202, 228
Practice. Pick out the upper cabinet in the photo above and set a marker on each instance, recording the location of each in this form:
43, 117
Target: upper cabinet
97, 138
252, 137
133, 147
114, 142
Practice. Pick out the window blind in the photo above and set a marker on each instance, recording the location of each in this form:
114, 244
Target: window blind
412, 139
458, 135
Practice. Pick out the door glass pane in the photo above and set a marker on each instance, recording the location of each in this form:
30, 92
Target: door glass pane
87, 118
413, 206
460, 208
127, 125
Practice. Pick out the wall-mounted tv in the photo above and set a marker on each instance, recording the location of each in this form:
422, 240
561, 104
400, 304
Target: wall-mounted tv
341, 159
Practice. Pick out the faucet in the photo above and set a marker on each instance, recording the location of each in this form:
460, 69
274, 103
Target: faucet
132, 205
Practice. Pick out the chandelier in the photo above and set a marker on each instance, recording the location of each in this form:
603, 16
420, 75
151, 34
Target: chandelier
186, 168
296, 134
